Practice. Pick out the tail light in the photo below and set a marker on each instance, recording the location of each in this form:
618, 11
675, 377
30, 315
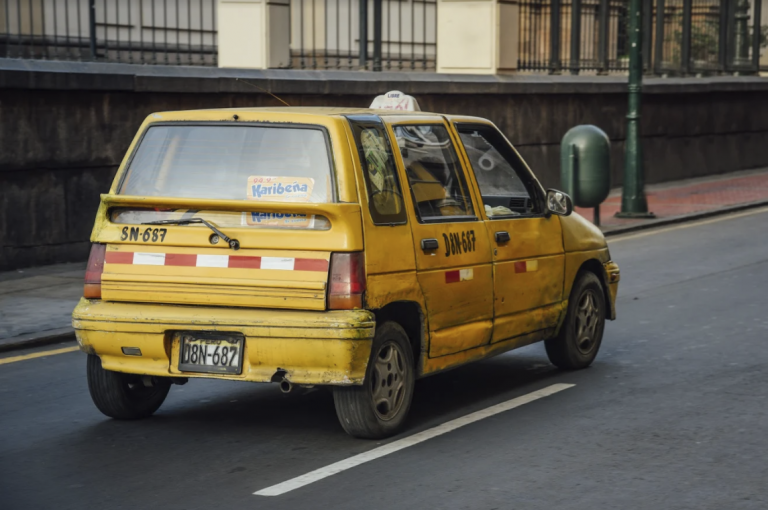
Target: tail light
93, 270
347, 282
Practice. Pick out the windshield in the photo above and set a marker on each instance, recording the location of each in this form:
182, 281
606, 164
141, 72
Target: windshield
258, 163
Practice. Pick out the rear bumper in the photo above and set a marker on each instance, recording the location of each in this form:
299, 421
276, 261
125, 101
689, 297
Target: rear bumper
612, 276
311, 347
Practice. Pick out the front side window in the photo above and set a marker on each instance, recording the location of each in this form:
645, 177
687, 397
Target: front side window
435, 176
255, 163
384, 195
505, 184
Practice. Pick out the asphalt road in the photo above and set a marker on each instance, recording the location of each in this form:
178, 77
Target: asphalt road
672, 415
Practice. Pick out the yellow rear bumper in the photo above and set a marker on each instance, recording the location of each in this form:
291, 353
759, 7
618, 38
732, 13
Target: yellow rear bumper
311, 347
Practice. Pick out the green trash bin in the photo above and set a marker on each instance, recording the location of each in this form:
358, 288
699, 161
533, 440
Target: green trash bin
585, 166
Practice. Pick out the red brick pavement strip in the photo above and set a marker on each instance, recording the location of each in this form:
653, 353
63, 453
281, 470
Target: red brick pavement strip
687, 200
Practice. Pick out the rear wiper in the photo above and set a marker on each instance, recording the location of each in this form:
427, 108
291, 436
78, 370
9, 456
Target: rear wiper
233, 243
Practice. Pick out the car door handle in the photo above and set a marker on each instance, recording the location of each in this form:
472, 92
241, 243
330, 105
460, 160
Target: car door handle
429, 244
502, 237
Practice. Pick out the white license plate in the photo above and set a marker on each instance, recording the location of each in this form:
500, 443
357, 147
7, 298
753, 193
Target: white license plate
210, 352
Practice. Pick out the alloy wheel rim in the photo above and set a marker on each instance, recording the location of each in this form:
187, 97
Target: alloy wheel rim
587, 319
388, 381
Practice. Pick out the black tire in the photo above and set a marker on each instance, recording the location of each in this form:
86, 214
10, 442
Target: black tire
581, 334
378, 408
124, 396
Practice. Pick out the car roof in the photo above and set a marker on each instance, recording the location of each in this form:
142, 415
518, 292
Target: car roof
320, 111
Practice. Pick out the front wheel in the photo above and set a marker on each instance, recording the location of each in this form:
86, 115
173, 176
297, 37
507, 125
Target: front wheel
378, 408
582, 331
124, 396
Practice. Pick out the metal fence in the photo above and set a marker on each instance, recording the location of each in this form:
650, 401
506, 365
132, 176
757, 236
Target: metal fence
591, 36
181, 32
679, 36
399, 35
325, 34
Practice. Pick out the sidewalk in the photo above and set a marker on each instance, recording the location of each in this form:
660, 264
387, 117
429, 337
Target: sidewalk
681, 200
36, 304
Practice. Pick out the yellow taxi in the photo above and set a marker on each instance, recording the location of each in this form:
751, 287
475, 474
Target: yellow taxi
355, 248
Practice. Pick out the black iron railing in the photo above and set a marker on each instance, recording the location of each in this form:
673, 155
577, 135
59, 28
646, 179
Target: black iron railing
679, 36
172, 32
399, 35
325, 34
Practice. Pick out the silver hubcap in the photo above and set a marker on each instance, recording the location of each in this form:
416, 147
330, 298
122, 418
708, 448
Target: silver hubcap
388, 381
587, 319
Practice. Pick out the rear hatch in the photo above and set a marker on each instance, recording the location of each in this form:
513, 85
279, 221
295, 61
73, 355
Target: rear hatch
227, 215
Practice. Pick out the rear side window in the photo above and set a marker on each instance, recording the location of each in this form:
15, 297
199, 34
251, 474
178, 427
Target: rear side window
384, 193
258, 163
437, 182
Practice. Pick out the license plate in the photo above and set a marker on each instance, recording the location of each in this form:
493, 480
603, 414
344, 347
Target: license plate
211, 352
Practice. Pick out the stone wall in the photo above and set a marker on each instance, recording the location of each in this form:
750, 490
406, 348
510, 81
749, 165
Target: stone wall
64, 127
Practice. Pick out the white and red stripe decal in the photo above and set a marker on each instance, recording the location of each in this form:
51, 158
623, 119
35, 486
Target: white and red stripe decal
526, 266
226, 261
459, 275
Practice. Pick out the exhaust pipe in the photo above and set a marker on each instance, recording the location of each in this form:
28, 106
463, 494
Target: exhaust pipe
286, 386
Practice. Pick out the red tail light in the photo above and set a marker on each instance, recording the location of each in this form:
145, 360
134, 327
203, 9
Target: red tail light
347, 282
93, 271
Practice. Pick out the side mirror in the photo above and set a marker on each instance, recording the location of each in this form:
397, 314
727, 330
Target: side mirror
559, 203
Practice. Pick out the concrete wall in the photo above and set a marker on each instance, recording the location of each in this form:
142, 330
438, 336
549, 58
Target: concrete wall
64, 127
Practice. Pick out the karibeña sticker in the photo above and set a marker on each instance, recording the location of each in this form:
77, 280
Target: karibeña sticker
280, 220
279, 189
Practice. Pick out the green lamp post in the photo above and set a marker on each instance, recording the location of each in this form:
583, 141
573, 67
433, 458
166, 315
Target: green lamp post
633, 201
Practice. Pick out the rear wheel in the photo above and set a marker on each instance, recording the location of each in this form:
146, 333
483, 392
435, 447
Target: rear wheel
378, 408
582, 332
124, 396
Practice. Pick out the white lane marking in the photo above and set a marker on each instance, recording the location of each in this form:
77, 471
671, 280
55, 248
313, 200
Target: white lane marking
277, 263
338, 467
687, 225
149, 259
212, 261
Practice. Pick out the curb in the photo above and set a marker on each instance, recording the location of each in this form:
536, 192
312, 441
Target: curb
51, 336
68, 334
684, 218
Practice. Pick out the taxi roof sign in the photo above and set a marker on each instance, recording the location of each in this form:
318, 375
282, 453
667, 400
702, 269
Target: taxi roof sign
396, 100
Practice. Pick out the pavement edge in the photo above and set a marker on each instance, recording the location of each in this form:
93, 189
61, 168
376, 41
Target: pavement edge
685, 218
51, 336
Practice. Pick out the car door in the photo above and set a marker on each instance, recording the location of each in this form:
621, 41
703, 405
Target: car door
453, 254
528, 256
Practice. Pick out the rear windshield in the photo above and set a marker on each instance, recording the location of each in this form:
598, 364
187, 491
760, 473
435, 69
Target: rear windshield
258, 163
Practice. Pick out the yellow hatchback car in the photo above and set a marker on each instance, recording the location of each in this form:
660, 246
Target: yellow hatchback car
355, 248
